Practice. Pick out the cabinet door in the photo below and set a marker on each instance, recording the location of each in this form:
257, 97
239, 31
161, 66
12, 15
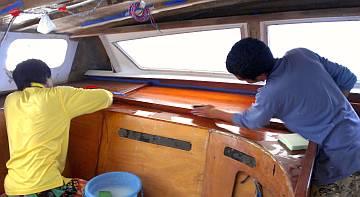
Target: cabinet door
236, 165
84, 146
169, 158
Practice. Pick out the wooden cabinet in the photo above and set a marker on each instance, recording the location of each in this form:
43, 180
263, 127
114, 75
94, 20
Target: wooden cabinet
84, 146
151, 133
169, 158
230, 156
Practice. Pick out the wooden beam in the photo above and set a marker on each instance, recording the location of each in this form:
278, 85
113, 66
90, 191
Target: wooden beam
67, 21
224, 20
72, 23
32, 24
36, 3
5, 3
212, 9
161, 11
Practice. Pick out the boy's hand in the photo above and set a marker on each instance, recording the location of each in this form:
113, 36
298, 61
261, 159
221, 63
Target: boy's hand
207, 111
210, 111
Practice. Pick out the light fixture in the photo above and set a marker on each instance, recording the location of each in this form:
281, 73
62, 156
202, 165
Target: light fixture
45, 25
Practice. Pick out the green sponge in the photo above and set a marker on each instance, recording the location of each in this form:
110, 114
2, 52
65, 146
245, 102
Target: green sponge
293, 141
104, 194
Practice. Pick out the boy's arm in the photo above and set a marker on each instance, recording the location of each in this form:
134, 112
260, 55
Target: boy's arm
78, 101
258, 115
342, 76
210, 111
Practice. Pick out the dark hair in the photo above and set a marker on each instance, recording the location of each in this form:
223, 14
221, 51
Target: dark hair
249, 58
31, 70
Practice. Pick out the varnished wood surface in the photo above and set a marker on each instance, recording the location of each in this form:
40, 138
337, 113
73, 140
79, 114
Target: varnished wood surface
302, 188
164, 171
84, 146
185, 98
288, 161
2, 100
182, 100
109, 85
161, 106
4, 147
268, 171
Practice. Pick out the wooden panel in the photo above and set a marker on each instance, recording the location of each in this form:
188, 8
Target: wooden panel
171, 106
221, 170
164, 171
236, 18
182, 101
303, 186
4, 147
186, 98
109, 85
84, 146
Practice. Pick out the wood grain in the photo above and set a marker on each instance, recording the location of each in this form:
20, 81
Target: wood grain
164, 171
221, 171
303, 187
84, 146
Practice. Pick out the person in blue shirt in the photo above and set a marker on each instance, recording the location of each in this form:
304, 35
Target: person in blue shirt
308, 93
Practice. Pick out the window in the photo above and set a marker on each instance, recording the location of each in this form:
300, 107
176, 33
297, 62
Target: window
51, 51
337, 41
202, 51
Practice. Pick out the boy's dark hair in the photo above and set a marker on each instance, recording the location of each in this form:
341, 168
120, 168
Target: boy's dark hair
31, 70
249, 58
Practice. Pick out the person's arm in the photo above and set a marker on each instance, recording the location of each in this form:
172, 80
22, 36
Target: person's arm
210, 111
258, 115
78, 101
342, 76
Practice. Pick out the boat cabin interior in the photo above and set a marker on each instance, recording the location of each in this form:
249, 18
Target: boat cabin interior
159, 58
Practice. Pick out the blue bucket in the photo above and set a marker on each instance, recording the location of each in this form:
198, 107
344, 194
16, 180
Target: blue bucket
119, 184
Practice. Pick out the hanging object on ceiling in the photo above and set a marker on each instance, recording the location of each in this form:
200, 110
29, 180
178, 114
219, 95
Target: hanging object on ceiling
126, 14
141, 13
45, 25
15, 12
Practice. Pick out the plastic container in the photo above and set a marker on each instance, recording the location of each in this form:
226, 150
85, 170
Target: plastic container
119, 184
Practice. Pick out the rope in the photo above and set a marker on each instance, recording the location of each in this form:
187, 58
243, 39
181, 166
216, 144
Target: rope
141, 13
7, 30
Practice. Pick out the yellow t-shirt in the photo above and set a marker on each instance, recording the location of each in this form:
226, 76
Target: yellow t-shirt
38, 121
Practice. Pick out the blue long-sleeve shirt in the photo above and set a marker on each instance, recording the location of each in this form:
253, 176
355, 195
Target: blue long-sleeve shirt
304, 90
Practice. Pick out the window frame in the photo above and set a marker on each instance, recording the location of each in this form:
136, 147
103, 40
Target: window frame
241, 26
264, 24
59, 74
37, 39
124, 67
264, 30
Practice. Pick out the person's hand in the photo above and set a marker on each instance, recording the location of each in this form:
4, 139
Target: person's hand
207, 111
210, 111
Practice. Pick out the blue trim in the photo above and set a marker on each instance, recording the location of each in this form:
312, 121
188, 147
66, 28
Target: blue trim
106, 18
174, 2
155, 82
16, 4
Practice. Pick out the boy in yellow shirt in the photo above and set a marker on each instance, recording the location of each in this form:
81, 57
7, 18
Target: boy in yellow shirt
38, 119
